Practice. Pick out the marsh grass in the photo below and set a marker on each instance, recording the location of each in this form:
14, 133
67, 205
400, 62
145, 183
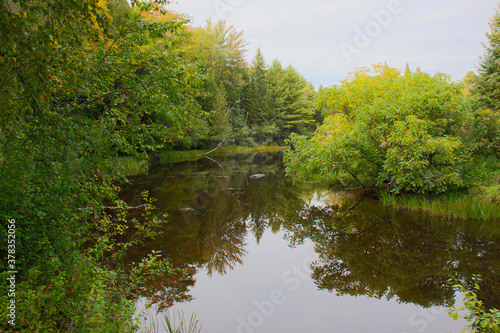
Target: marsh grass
131, 166
457, 205
481, 201
174, 322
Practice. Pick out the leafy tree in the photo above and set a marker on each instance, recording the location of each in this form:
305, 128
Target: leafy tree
221, 127
221, 50
78, 90
118, 9
405, 131
470, 79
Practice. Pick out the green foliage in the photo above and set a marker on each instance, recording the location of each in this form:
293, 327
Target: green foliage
469, 79
291, 99
405, 131
457, 206
486, 132
220, 127
481, 319
488, 80
118, 9
78, 91
264, 104
485, 88
221, 50
81, 297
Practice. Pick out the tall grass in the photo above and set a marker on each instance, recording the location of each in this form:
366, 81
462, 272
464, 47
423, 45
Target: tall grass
173, 322
458, 206
131, 166
239, 149
482, 201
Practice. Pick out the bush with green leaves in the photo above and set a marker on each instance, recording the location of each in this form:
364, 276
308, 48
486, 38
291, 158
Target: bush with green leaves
383, 127
481, 320
79, 90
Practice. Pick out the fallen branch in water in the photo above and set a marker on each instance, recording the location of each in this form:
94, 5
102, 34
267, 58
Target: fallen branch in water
220, 144
142, 207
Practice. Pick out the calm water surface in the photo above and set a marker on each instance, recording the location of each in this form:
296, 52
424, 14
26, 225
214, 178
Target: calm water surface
266, 255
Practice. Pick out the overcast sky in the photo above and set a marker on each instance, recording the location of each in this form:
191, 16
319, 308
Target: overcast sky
326, 39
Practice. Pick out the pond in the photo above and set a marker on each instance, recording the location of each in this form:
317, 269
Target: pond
268, 255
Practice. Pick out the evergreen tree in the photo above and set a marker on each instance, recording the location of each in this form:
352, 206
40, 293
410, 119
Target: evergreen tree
258, 108
407, 69
292, 100
258, 71
488, 87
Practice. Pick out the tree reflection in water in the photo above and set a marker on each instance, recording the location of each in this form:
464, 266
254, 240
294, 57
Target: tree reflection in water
363, 247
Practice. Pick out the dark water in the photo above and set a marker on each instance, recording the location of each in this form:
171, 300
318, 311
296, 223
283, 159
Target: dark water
267, 255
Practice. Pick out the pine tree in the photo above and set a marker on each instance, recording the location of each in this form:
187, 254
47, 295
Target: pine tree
488, 81
258, 71
257, 107
407, 69
292, 99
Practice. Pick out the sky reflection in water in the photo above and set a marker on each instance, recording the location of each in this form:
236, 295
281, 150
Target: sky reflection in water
266, 255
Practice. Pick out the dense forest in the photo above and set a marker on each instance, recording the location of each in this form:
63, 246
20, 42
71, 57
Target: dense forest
89, 87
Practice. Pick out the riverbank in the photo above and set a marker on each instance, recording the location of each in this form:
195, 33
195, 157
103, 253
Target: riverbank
188, 154
455, 205
480, 201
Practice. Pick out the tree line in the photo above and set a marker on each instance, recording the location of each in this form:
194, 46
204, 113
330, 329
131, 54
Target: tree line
245, 104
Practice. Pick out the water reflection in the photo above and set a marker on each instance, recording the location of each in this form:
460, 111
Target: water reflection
363, 248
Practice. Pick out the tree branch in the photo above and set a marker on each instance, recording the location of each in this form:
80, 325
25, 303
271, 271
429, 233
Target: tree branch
220, 144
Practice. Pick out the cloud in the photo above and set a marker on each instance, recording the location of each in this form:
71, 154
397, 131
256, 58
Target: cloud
441, 36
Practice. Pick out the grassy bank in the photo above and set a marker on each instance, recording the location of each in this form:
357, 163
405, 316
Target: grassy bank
131, 166
458, 206
481, 201
219, 152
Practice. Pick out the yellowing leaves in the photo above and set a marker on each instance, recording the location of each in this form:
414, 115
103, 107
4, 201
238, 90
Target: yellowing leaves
410, 114
55, 78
